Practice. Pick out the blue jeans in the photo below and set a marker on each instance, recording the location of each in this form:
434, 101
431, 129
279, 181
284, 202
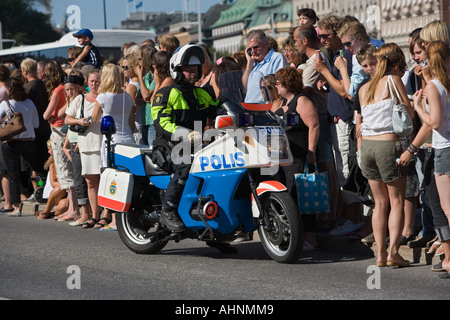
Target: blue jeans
148, 134
441, 224
426, 215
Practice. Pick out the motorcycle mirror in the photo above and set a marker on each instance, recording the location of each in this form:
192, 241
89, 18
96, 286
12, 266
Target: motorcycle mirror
226, 121
108, 126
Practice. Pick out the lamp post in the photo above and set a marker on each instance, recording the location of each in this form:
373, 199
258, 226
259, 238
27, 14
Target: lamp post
199, 18
104, 13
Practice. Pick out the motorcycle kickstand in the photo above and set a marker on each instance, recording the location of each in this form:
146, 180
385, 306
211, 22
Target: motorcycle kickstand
208, 227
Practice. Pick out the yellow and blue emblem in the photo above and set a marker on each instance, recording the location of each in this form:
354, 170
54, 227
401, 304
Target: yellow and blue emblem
113, 187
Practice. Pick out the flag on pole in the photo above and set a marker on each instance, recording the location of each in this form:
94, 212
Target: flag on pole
139, 5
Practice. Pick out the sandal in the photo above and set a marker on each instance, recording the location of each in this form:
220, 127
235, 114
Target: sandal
41, 215
398, 263
89, 224
439, 251
99, 224
434, 247
108, 228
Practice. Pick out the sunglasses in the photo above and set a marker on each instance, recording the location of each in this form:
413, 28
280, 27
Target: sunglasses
70, 59
324, 36
348, 43
254, 48
125, 67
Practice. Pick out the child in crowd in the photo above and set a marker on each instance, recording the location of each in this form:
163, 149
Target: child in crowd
58, 196
73, 86
90, 54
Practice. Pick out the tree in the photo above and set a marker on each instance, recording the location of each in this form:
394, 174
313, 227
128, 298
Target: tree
21, 22
47, 5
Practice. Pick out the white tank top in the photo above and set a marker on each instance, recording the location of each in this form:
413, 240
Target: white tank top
441, 137
377, 117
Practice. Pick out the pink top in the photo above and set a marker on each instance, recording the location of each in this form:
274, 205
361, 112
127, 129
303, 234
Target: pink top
58, 122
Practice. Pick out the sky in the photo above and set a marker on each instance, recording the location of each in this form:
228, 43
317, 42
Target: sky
116, 10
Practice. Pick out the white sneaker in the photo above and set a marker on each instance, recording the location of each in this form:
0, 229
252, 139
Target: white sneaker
345, 229
31, 198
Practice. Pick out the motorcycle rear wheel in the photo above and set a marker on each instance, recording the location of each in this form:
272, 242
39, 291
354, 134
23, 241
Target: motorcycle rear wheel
132, 228
284, 239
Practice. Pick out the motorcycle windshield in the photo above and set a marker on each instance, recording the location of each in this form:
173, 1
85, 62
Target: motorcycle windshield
247, 97
235, 87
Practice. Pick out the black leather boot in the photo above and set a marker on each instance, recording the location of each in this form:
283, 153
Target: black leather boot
170, 219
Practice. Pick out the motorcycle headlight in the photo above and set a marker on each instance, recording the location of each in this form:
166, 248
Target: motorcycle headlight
277, 146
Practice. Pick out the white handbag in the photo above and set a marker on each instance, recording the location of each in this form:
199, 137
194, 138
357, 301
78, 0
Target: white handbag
401, 121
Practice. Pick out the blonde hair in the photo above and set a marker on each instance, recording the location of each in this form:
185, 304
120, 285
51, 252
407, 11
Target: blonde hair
30, 66
132, 60
438, 52
329, 23
169, 42
79, 74
50, 159
352, 30
110, 79
436, 30
389, 56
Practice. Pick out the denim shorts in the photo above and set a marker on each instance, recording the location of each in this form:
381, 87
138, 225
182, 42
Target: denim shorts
441, 161
378, 160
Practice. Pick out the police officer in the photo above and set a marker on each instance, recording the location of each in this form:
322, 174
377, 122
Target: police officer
180, 112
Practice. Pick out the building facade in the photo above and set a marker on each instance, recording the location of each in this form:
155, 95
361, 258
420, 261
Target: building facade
366, 11
229, 32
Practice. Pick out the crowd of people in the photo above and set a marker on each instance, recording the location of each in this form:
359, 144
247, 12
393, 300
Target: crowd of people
342, 83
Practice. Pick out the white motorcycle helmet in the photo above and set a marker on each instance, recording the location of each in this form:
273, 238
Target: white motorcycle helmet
187, 55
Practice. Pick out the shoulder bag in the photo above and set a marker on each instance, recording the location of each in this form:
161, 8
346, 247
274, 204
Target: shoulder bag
401, 121
76, 127
11, 124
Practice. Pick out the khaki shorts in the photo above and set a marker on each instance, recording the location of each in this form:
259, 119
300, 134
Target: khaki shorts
63, 166
378, 160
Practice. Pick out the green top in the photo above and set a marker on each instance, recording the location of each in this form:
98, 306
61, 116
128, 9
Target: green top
146, 108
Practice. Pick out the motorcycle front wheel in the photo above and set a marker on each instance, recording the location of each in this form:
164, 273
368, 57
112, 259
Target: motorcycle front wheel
132, 227
283, 237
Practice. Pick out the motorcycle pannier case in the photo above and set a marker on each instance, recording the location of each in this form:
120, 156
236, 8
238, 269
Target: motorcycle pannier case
115, 190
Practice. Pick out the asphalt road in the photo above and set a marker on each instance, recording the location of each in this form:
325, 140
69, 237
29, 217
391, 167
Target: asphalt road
48, 260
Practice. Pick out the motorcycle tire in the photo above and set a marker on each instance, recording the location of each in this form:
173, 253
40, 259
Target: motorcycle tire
283, 241
132, 228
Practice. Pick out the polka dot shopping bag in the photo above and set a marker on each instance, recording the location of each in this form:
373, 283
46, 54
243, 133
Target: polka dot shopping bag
313, 191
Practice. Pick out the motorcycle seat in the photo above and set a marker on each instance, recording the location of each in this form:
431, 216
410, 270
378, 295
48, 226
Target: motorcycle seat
151, 168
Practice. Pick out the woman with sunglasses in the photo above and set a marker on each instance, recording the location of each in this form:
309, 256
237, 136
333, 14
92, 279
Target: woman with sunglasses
302, 138
353, 36
133, 88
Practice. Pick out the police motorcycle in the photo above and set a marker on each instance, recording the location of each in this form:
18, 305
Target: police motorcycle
224, 190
